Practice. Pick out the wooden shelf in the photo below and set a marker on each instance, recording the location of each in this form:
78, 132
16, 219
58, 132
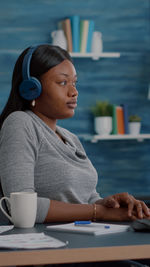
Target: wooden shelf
95, 56
96, 138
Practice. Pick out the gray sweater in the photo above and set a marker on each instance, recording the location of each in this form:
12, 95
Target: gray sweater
34, 158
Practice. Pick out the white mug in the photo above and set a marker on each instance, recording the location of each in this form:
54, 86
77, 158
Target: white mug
23, 207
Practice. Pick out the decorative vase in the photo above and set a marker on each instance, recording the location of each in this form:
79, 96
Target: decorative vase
103, 125
134, 128
58, 38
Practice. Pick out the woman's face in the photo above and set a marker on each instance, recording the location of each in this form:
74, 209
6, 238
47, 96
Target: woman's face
58, 99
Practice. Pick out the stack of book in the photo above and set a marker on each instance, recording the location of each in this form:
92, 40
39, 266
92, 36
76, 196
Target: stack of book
120, 119
78, 33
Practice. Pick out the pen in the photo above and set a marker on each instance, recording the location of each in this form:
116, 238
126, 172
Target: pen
87, 223
106, 226
82, 222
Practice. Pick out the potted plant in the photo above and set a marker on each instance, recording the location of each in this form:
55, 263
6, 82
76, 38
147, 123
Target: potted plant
102, 112
134, 124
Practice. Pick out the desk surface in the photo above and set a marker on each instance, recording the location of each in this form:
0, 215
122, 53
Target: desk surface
81, 248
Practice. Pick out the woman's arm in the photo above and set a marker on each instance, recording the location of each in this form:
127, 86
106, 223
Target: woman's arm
66, 212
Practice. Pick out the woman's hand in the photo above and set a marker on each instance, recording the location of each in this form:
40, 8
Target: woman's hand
110, 214
126, 200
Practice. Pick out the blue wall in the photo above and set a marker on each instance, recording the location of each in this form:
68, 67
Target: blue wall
125, 25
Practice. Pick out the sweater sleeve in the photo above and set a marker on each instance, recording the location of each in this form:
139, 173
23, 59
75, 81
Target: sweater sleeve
94, 197
18, 153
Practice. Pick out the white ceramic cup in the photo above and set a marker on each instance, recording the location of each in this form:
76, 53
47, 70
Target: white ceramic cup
97, 43
23, 208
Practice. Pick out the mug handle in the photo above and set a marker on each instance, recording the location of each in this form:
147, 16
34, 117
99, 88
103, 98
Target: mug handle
2, 209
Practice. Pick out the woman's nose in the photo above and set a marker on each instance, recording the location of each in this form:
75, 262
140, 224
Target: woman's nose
73, 91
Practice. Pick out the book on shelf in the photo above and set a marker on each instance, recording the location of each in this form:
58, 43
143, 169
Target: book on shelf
114, 120
120, 120
90, 35
75, 21
65, 25
84, 27
125, 114
68, 34
78, 33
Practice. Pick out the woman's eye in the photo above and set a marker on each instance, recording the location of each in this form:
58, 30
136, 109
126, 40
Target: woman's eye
63, 83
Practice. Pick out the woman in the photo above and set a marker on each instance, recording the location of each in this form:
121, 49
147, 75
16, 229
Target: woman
37, 155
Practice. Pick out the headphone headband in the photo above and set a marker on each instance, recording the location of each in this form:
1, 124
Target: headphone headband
26, 63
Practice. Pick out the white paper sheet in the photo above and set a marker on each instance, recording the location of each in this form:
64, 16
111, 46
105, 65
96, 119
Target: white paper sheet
93, 228
30, 241
4, 228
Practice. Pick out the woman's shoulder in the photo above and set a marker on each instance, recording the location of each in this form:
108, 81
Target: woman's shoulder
19, 124
20, 118
17, 115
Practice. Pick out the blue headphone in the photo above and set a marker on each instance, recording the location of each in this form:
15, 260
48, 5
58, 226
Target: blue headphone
30, 88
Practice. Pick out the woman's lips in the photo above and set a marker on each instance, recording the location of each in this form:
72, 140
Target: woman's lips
72, 105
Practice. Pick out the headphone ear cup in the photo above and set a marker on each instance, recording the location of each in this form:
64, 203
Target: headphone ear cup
30, 89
